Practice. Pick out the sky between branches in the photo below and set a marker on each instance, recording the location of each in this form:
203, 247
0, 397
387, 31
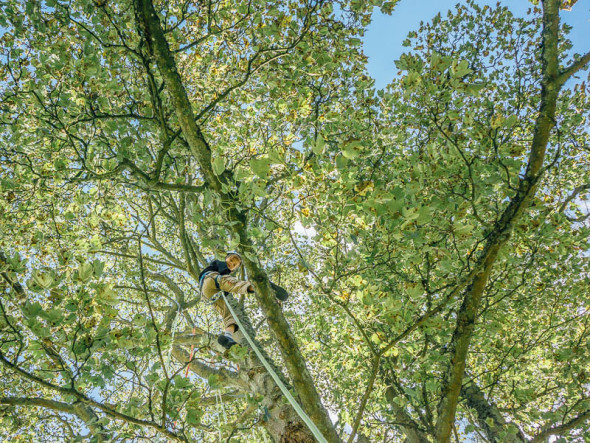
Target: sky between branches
382, 42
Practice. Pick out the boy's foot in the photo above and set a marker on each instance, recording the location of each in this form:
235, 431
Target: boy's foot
280, 292
226, 341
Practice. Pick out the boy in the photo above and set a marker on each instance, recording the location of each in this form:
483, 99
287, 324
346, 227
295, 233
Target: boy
215, 278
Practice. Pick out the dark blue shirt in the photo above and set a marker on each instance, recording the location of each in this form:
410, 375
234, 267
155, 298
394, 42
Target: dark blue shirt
216, 266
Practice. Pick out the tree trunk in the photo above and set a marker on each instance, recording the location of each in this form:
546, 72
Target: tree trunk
279, 418
488, 416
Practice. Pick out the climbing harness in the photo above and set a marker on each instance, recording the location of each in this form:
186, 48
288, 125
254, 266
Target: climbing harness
310, 424
207, 274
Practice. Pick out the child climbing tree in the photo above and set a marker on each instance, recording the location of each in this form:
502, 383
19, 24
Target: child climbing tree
216, 279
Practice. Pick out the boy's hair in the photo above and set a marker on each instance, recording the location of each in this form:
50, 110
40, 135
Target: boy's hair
230, 253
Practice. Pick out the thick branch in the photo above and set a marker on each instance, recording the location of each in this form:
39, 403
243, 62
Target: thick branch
226, 377
576, 66
294, 361
85, 413
489, 417
367, 394
150, 26
573, 195
502, 230
563, 428
408, 426
38, 402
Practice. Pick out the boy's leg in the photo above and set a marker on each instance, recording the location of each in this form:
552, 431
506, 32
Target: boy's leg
229, 324
231, 284
209, 290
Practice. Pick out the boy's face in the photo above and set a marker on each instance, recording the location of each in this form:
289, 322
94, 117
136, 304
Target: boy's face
233, 262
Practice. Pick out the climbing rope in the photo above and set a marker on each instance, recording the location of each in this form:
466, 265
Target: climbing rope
310, 424
217, 403
174, 324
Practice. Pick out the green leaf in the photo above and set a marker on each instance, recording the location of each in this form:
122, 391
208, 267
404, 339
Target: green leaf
32, 310
351, 150
474, 88
44, 279
53, 316
98, 267
85, 271
193, 416
462, 69
107, 296
318, 147
341, 162
237, 353
511, 121
463, 229
260, 166
218, 165
391, 352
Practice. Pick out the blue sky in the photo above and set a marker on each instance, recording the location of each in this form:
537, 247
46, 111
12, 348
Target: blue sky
383, 41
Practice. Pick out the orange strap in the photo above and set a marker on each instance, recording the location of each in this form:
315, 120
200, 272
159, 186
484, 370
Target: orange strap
191, 354
188, 366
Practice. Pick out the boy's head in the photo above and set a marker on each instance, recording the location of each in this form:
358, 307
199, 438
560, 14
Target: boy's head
233, 260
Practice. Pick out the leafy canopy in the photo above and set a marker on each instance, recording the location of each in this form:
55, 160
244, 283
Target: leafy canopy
432, 235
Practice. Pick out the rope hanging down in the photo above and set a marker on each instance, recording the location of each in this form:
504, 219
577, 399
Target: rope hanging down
310, 424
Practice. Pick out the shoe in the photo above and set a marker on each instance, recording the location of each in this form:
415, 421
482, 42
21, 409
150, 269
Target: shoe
225, 341
280, 293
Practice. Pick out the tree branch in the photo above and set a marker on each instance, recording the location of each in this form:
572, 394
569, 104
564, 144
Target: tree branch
561, 429
573, 68
87, 400
452, 381
408, 426
85, 413
573, 195
228, 378
366, 395
40, 402
489, 417
150, 27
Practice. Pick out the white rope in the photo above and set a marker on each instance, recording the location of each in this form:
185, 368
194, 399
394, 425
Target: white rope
310, 424
217, 398
174, 324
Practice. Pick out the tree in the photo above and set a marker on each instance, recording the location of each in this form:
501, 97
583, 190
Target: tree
433, 235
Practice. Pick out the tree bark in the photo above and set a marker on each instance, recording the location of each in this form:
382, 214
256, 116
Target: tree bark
562, 428
502, 230
407, 425
280, 419
497, 429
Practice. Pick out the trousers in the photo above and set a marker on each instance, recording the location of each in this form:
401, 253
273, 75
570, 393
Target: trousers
226, 283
